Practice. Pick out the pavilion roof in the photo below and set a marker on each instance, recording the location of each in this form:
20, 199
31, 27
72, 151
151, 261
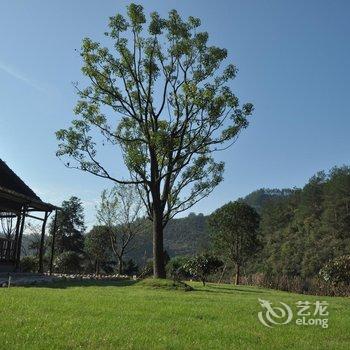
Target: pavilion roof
14, 193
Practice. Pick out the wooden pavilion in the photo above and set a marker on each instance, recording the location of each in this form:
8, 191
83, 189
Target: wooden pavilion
18, 202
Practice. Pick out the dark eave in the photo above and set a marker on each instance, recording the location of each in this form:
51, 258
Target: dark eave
11, 200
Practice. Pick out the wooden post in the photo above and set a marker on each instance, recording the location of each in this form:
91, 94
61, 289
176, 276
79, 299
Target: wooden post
20, 235
18, 226
53, 242
42, 243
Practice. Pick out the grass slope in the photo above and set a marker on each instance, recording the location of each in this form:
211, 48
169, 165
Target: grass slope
125, 315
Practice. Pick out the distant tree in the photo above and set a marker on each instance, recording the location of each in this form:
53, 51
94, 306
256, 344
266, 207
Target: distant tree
163, 96
120, 211
337, 270
131, 268
29, 264
308, 228
235, 232
70, 226
34, 237
7, 225
68, 262
337, 203
176, 268
98, 246
201, 266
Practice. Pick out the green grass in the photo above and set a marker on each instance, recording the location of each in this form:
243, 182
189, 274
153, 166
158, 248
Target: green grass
125, 315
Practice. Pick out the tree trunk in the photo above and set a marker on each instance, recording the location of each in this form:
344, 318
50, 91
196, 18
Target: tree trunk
222, 274
237, 274
120, 265
158, 251
97, 267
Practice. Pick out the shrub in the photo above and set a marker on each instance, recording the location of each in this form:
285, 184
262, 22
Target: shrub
68, 262
337, 270
29, 264
201, 266
131, 268
176, 268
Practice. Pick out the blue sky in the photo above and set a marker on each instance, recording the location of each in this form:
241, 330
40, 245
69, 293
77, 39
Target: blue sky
293, 59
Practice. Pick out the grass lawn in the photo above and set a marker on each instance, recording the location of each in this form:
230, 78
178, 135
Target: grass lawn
101, 315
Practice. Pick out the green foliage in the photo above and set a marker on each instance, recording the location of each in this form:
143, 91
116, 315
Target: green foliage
131, 268
68, 262
259, 198
201, 266
70, 226
307, 228
163, 97
119, 214
29, 264
176, 268
234, 229
337, 270
97, 244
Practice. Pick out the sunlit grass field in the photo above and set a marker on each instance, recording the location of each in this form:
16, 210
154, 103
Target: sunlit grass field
127, 315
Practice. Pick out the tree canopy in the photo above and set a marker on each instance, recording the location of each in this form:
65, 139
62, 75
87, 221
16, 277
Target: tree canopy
235, 232
160, 92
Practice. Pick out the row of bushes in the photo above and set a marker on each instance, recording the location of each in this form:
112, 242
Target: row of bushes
313, 286
70, 262
333, 280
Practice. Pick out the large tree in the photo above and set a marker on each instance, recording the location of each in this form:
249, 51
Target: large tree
160, 93
235, 232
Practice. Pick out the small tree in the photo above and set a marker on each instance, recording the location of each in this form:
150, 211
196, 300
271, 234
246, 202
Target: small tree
337, 270
131, 268
70, 226
235, 233
163, 96
176, 268
7, 224
97, 245
29, 264
201, 266
120, 213
68, 262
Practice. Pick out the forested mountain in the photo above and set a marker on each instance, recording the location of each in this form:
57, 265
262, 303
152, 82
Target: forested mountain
301, 228
184, 236
259, 198
310, 226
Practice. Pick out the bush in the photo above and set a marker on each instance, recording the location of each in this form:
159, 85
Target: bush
131, 268
29, 264
68, 262
201, 266
337, 270
176, 268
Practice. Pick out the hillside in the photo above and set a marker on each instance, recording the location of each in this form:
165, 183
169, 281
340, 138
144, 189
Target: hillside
184, 236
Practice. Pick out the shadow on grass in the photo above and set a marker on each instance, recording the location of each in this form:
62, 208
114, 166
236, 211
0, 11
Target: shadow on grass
238, 289
81, 283
226, 290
